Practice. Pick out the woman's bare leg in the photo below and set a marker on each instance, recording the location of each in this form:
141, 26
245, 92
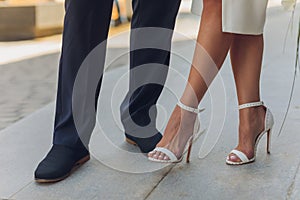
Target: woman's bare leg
216, 44
246, 57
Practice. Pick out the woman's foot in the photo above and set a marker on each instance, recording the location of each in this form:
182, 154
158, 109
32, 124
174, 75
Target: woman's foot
252, 123
179, 130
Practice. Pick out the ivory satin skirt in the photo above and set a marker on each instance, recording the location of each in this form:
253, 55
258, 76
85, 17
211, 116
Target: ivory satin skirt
240, 16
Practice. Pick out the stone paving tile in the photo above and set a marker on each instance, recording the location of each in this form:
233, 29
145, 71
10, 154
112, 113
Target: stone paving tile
295, 188
26, 86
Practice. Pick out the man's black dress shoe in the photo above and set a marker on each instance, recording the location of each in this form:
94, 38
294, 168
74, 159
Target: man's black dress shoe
59, 163
145, 144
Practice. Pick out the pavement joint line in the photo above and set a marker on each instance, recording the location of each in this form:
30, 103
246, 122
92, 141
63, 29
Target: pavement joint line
162, 178
292, 185
152, 190
95, 198
25, 186
7, 199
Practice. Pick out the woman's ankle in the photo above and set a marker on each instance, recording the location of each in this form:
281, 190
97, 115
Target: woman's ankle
251, 122
252, 114
179, 120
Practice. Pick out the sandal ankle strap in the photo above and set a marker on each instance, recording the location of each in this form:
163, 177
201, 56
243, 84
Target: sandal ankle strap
190, 109
252, 104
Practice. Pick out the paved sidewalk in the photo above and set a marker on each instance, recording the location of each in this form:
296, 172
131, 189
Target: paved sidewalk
116, 174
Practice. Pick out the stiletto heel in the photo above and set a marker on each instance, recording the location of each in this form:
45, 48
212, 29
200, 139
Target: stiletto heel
189, 151
269, 141
269, 122
188, 146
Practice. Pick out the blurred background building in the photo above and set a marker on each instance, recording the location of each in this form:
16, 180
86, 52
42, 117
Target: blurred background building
28, 19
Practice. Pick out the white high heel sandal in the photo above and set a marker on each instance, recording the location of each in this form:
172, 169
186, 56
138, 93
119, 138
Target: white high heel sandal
269, 122
188, 146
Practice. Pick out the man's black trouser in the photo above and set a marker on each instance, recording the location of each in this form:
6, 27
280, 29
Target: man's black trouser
86, 25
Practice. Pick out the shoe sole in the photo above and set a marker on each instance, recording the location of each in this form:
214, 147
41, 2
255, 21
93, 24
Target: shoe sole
239, 163
76, 166
129, 141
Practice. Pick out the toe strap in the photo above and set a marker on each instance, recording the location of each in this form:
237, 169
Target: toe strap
240, 155
169, 153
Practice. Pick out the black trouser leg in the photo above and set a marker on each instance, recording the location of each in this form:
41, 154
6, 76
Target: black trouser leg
148, 66
86, 26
